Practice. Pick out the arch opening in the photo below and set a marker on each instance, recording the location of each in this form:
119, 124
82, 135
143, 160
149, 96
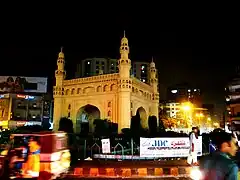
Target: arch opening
141, 112
85, 118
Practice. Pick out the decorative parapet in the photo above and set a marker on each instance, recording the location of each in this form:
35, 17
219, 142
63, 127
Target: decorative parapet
92, 79
141, 85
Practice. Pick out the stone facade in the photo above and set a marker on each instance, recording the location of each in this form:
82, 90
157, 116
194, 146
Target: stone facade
116, 96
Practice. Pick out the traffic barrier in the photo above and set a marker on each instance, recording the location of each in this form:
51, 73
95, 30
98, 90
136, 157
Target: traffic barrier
110, 172
158, 171
126, 172
188, 170
94, 172
142, 171
130, 172
174, 171
78, 171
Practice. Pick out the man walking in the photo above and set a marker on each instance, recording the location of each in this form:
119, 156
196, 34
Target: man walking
192, 158
219, 165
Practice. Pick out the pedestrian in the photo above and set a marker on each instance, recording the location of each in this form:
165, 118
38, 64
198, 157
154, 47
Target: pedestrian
33, 163
192, 158
220, 164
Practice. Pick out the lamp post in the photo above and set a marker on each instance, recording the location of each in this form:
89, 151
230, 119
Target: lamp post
187, 108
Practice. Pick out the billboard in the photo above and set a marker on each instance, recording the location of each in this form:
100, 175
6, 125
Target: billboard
14, 124
18, 84
168, 147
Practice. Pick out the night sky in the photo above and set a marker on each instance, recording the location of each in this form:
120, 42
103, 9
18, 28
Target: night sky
196, 49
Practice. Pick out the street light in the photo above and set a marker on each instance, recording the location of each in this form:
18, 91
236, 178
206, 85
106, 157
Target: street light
187, 108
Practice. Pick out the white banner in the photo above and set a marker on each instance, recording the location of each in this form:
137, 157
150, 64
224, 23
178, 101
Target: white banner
168, 147
106, 148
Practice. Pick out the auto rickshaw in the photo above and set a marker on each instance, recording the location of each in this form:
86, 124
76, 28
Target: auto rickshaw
27, 155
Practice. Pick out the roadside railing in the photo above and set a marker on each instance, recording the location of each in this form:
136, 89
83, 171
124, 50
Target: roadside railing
121, 148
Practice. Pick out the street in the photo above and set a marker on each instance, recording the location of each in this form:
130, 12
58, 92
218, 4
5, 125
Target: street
135, 178
129, 169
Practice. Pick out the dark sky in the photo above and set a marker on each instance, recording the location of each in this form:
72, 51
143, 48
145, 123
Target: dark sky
195, 48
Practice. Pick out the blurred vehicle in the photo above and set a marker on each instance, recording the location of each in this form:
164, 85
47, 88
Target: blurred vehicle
53, 152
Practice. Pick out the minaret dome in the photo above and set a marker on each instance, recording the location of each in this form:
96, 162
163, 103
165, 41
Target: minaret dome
61, 54
152, 64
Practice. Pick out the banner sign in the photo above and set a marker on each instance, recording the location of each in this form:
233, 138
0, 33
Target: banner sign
15, 124
106, 148
17, 84
168, 147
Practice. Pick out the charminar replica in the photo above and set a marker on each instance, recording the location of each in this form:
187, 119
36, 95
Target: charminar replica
116, 97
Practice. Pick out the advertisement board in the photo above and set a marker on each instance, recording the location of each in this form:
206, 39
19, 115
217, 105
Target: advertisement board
17, 84
15, 124
106, 148
168, 147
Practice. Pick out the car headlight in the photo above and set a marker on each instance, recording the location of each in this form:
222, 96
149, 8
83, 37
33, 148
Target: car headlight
195, 173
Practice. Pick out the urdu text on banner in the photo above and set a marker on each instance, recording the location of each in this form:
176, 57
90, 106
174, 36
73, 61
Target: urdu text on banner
168, 147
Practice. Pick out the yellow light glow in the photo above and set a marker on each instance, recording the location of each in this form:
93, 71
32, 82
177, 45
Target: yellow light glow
187, 106
200, 115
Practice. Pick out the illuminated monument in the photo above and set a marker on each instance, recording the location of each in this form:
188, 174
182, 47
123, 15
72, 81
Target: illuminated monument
116, 96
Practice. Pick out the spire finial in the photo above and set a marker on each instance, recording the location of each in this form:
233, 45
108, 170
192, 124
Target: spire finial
152, 64
124, 33
61, 54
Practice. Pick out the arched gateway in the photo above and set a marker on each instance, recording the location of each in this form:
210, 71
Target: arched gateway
143, 116
115, 97
85, 118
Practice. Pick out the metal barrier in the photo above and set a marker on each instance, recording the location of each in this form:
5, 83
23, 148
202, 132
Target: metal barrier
87, 147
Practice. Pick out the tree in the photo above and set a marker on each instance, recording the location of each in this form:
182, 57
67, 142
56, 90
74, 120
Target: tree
65, 125
152, 124
169, 122
101, 127
126, 132
161, 127
135, 123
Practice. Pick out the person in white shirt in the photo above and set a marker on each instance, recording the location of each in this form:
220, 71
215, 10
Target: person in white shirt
192, 158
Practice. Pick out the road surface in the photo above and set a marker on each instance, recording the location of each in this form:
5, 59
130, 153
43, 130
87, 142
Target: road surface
100, 169
106, 178
136, 164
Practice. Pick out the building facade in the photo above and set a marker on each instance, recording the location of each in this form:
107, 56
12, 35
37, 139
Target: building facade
173, 110
233, 99
113, 96
184, 92
23, 109
97, 66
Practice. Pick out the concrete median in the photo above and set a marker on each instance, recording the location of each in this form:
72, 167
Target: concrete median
130, 172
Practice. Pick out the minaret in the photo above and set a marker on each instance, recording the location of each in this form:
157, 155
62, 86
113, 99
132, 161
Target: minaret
124, 63
58, 90
124, 84
154, 83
